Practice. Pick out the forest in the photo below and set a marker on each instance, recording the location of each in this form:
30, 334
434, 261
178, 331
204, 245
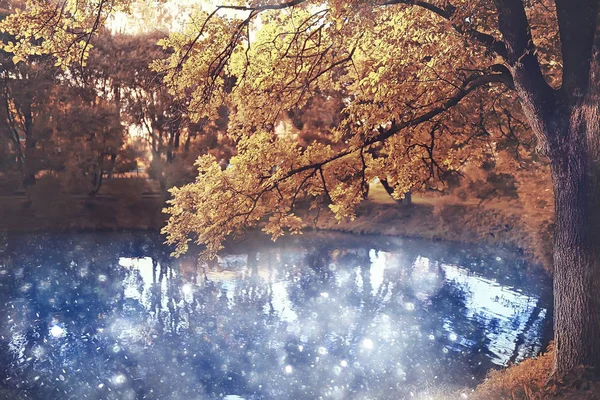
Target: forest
463, 121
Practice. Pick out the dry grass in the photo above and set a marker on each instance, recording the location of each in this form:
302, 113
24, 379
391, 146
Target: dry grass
526, 380
433, 219
530, 380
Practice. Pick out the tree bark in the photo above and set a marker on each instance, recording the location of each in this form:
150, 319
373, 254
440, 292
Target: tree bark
576, 263
575, 167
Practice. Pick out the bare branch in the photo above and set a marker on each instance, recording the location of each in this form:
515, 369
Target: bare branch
90, 34
327, 195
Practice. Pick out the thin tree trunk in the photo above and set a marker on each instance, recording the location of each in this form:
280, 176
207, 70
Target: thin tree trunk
30, 144
407, 200
387, 187
111, 169
177, 139
157, 165
13, 132
170, 144
96, 179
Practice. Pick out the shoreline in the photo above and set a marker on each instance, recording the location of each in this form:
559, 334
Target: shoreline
453, 223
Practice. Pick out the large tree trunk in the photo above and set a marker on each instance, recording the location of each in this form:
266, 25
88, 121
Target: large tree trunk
575, 166
566, 123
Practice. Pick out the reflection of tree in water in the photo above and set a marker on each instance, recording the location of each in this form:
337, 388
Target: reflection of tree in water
72, 294
294, 323
463, 333
404, 320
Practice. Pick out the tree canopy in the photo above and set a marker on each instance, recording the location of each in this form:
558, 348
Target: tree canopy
423, 92
422, 86
72, 123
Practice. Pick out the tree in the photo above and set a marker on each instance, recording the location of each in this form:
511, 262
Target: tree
88, 132
121, 65
53, 123
421, 81
25, 90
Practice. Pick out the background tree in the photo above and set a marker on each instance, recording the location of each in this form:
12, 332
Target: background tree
121, 64
25, 91
423, 78
53, 123
90, 136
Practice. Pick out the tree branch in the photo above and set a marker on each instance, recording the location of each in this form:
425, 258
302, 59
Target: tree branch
264, 7
577, 27
468, 87
484, 39
537, 97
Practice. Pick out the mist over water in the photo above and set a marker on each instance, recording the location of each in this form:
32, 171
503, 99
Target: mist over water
112, 316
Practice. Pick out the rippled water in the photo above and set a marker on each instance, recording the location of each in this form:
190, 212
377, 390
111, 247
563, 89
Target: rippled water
112, 316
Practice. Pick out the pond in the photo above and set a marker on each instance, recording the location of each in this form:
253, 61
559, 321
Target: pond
113, 316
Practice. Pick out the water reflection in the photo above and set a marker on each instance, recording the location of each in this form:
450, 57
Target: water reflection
112, 316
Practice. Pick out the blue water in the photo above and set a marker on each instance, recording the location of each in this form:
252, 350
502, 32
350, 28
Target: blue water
112, 316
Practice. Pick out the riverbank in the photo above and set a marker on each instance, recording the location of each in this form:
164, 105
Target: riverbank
526, 381
497, 223
529, 380
435, 218
50, 211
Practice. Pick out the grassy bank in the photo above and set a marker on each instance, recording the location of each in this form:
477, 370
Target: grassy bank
128, 205
427, 218
121, 204
497, 223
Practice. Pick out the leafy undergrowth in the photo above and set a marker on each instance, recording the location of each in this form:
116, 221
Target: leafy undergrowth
529, 380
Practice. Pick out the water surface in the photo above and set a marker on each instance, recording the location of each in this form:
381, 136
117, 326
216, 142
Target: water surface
112, 316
